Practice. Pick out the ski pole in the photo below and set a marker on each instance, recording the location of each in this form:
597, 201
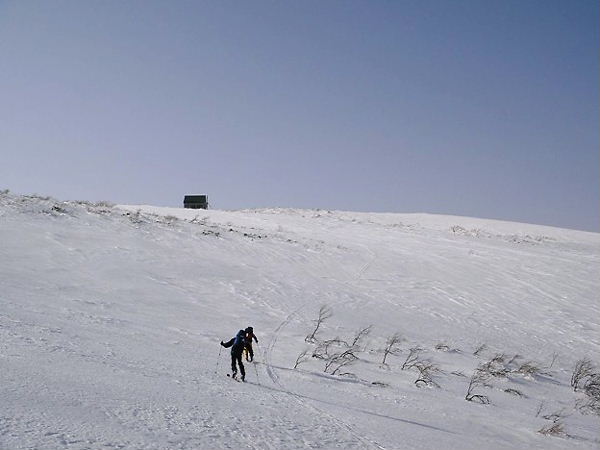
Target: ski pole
255, 369
218, 359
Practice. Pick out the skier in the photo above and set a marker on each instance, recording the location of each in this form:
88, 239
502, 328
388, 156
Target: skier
248, 349
237, 346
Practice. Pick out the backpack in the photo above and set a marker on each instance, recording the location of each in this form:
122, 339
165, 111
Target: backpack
240, 341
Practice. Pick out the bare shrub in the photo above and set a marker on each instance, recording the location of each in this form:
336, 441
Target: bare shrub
57, 209
38, 197
136, 217
322, 349
391, 346
104, 204
499, 358
583, 369
555, 429
540, 408
479, 377
426, 370
592, 386
514, 392
458, 229
339, 360
360, 336
556, 416
514, 359
529, 368
589, 405
592, 391
302, 357
412, 358
324, 313
480, 349
495, 367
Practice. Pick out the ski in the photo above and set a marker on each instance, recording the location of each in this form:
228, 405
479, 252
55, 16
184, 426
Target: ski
235, 378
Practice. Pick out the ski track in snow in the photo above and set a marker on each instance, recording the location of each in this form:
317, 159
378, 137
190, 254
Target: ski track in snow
110, 320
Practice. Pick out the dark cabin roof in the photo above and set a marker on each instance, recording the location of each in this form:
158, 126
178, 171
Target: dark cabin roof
195, 199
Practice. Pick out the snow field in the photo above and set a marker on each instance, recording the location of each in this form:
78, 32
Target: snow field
110, 321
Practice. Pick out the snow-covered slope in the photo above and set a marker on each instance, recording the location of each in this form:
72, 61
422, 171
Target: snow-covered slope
111, 318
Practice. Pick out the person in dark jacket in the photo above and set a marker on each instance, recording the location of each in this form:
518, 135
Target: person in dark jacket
237, 345
249, 336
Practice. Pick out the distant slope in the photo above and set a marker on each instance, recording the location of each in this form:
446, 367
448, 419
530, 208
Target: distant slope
110, 319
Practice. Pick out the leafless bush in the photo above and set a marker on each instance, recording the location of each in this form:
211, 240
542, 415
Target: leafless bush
479, 377
592, 386
529, 368
556, 416
426, 370
540, 408
592, 391
38, 197
499, 358
514, 392
101, 207
136, 217
339, 360
583, 369
322, 349
360, 336
495, 367
57, 209
589, 405
324, 313
412, 358
104, 204
555, 429
391, 346
480, 349
514, 359
302, 357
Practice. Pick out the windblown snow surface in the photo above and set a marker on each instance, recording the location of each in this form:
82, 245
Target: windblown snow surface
111, 318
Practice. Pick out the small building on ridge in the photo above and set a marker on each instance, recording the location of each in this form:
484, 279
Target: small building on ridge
195, 201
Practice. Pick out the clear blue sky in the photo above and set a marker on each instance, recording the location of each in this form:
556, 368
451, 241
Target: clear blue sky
477, 108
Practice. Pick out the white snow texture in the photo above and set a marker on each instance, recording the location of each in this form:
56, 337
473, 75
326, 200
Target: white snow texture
111, 318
